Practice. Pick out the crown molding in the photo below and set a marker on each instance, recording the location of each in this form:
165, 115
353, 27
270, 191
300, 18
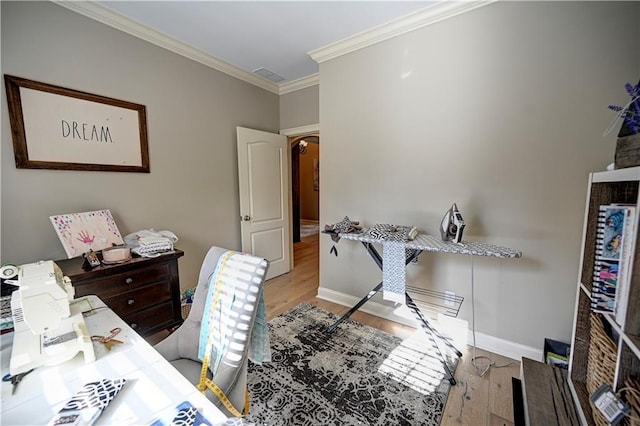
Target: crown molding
108, 17
302, 130
421, 18
427, 16
301, 83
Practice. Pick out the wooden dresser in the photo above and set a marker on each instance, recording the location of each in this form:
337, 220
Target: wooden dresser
144, 292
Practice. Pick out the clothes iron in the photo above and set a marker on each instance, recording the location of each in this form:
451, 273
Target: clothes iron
452, 225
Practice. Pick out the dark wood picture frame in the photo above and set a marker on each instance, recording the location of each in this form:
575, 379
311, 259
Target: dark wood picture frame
125, 141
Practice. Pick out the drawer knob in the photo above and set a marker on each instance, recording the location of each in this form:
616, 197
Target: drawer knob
130, 302
128, 280
134, 325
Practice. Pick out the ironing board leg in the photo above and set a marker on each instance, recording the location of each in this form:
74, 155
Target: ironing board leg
418, 314
432, 334
357, 306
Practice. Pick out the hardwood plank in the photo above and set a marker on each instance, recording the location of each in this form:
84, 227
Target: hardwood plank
547, 395
495, 420
469, 399
501, 401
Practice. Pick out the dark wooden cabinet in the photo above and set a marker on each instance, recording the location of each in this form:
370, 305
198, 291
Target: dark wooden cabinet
144, 292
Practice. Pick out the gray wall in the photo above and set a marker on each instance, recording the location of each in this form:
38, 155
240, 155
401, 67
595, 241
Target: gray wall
500, 110
192, 114
299, 108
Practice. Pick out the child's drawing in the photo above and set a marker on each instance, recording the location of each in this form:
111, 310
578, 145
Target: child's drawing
81, 232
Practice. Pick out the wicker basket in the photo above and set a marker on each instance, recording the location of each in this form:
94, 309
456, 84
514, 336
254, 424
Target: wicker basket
601, 362
186, 308
632, 398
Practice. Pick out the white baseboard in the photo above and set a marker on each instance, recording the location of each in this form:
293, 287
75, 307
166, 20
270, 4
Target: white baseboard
483, 341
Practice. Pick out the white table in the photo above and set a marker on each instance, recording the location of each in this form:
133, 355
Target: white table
153, 388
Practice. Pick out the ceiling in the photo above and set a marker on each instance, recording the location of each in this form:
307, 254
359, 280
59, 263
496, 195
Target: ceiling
286, 40
260, 34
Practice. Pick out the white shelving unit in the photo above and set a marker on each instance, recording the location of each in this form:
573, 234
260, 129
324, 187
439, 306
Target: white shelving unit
617, 186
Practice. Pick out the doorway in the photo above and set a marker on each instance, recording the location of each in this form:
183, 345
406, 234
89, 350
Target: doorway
305, 185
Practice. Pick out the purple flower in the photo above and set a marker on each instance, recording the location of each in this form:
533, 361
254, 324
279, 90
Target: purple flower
630, 113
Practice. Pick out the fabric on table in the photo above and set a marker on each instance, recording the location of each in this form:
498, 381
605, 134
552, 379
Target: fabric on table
393, 271
95, 394
387, 232
394, 276
185, 417
345, 226
185, 414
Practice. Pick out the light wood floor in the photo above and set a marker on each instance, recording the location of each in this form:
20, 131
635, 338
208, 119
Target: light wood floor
474, 400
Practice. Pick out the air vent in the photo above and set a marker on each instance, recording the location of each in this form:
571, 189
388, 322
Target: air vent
268, 74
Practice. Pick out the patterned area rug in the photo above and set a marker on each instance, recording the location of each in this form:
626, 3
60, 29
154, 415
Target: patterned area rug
355, 376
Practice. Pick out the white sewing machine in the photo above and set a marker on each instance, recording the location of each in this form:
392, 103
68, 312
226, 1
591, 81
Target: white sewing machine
47, 330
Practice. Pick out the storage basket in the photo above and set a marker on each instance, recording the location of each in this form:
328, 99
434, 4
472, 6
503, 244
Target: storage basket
601, 362
627, 151
186, 308
632, 398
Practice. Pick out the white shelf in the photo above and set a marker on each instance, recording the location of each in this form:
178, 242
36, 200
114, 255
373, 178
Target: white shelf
619, 175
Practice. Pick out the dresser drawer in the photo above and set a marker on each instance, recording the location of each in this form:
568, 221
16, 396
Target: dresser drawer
145, 291
152, 319
135, 300
119, 283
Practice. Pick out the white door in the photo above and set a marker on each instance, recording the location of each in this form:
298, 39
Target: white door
264, 197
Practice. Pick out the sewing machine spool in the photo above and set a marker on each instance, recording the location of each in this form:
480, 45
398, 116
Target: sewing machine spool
8, 272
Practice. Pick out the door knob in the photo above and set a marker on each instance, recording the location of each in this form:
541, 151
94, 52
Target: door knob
246, 218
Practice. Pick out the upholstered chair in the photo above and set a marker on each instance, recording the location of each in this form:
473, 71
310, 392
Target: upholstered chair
227, 314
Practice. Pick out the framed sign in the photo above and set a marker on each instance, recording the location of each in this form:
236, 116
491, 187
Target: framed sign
58, 128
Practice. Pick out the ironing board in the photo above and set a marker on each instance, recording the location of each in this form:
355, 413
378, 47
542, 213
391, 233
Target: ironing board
413, 249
